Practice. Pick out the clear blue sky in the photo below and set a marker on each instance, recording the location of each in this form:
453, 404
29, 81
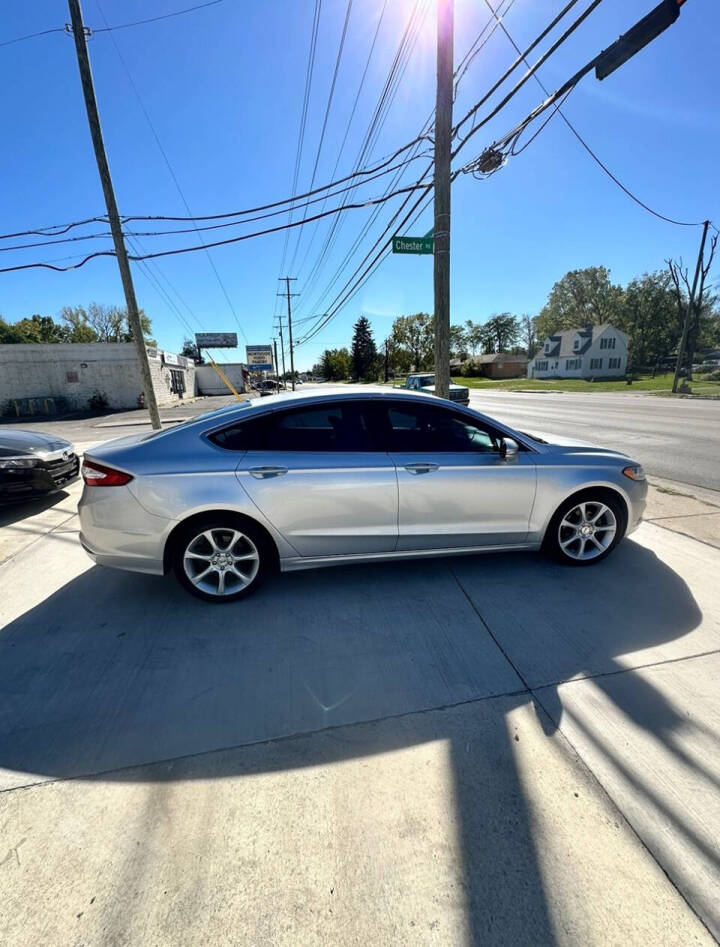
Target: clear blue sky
223, 87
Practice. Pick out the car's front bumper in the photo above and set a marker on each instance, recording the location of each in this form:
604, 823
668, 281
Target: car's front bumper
45, 477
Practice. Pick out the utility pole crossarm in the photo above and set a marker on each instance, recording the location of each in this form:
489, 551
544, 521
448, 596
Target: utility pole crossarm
79, 35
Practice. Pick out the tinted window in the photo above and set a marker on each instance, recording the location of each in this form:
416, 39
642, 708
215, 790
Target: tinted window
331, 427
421, 429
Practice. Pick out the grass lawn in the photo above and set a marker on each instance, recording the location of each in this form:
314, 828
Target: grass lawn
642, 383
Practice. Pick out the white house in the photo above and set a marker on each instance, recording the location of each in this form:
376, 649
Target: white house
591, 352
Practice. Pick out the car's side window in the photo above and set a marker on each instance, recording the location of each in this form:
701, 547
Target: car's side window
425, 429
315, 428
250, 434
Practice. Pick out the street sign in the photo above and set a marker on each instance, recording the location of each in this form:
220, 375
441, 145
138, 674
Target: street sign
216, 340
412, 244
259, 358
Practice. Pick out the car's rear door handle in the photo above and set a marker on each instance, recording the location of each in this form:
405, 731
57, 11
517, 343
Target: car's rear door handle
420, 468
263, 473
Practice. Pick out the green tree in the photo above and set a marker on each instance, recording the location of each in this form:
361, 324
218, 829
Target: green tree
190, 350
501, 332
649, 316
579, 298
528, 334
100, 323
363, 351
79, 330
474, 336
415, 335
458, 342
35, 329
334, 364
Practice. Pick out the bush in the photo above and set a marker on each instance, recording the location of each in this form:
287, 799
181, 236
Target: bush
471, 370
98, 401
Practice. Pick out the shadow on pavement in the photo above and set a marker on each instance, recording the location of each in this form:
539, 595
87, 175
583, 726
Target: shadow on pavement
116, 670
13, 511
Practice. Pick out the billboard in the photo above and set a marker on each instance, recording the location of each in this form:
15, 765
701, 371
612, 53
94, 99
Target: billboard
259, 358
216, 340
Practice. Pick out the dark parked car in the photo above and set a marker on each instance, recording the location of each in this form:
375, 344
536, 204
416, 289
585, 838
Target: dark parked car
34, 464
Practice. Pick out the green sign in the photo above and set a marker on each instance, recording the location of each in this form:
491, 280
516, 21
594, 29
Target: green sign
412, 244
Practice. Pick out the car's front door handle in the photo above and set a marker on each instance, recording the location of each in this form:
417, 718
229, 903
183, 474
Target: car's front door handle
420, 468
263, 473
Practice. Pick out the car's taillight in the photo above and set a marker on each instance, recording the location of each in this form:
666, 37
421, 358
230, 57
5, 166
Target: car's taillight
97, 475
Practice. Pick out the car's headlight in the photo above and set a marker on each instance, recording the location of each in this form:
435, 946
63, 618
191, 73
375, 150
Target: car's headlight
15, 462
635, 472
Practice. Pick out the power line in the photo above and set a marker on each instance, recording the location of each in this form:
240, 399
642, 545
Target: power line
218, 243
120, 26
369, 174
21, 39
156, 19
521, 82
338, 59
350, 119
513, 66
303, 123
183, 230
407, 43
586, 146
170, 167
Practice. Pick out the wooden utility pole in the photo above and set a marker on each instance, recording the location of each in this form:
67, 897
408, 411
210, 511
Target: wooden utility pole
282, 346
287, 280
78, 30
690, 311
277, 367
443, 139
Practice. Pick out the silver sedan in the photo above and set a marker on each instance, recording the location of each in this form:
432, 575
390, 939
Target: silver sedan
298, 481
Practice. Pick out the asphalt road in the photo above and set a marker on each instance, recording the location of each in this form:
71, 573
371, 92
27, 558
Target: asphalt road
674, 439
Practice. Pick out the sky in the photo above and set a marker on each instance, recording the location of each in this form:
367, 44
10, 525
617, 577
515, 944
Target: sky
204, 109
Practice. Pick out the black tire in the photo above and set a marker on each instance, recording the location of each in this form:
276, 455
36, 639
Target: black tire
565, 542
241, 546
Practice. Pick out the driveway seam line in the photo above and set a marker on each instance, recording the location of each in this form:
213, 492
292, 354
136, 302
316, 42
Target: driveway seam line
616, 806
269, 740
489, 631
626, 670
37, 539
584, 764
679, 532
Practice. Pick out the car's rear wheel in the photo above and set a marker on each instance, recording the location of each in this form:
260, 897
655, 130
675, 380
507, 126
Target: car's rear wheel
221, 558
585, 529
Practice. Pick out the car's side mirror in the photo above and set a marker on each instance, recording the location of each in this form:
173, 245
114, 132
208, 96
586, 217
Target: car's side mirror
508, 448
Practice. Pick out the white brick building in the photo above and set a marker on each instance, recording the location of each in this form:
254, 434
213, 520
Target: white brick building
68, 375
590, 352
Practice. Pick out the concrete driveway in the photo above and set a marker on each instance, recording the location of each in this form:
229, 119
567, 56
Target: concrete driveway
485, 750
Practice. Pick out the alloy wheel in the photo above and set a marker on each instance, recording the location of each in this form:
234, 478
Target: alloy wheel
221, 561
587, 530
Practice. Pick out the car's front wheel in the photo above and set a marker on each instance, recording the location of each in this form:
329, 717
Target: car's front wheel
585, 529
221, 559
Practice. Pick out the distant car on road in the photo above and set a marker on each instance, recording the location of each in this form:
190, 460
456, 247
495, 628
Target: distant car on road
299, 481
426, 384
33, 464
269, 387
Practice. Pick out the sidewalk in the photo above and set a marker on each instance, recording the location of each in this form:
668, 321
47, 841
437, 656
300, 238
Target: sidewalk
683, 508
482, 751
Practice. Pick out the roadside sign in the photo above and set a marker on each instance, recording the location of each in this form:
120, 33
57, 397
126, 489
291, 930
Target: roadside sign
412, 244
216, 340
259, 358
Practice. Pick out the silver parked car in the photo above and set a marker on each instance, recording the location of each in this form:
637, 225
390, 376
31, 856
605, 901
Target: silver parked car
298, 481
